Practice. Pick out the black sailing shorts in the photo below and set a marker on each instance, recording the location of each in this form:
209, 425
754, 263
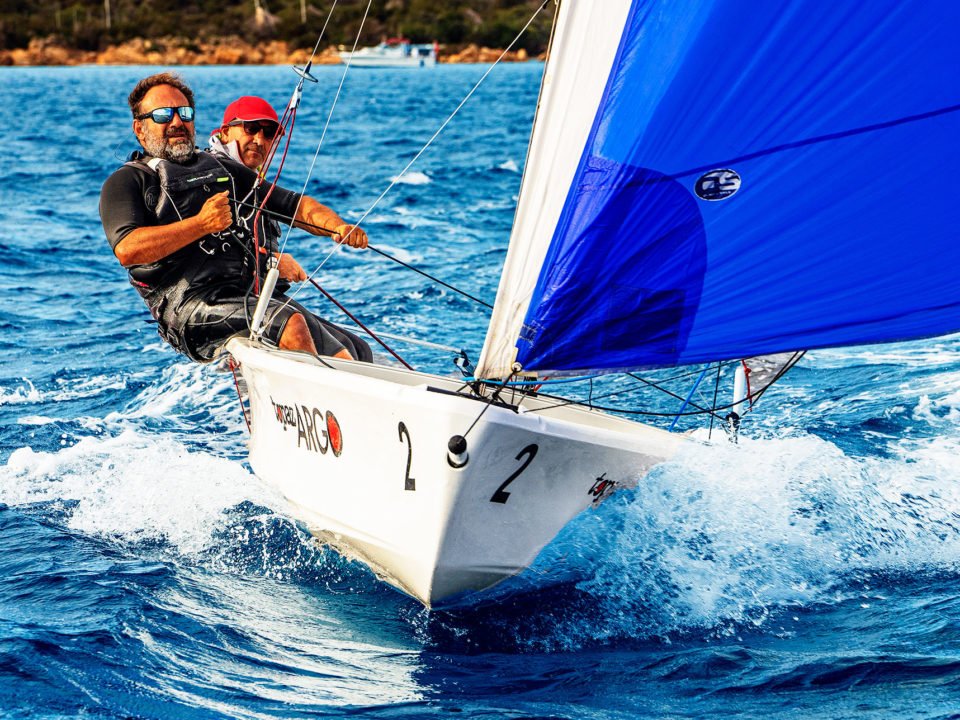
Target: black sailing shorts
206, 323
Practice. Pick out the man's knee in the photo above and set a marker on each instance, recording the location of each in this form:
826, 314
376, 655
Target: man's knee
296, 335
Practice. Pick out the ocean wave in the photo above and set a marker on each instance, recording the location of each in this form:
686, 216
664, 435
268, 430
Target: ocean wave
23, 393
412, 177
134, 487
728, 538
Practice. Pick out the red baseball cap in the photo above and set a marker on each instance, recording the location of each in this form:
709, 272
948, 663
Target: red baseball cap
249, 107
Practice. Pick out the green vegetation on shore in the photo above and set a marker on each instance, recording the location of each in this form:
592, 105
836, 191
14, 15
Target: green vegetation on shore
99, 24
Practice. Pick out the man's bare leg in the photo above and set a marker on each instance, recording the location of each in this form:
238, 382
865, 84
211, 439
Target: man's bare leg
296, 336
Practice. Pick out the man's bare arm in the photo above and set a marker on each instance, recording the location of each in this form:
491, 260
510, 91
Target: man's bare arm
149, 244
311, 213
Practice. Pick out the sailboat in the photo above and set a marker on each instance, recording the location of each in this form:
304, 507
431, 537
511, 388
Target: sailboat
707, 180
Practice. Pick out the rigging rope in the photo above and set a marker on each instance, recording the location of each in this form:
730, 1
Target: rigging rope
232, 364
362, 326
490, 401
567, 401
794, 359
388, 256
687, 401
716, 391
287, 122
421, 343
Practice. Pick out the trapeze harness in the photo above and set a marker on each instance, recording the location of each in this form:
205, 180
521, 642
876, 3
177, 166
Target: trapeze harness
215, 265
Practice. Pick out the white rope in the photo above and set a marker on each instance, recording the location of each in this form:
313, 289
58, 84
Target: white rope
406, 339
275, 144
428, 143
323, 31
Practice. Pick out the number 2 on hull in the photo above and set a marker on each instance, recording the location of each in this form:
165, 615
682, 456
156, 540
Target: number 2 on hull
409, 483
501, 495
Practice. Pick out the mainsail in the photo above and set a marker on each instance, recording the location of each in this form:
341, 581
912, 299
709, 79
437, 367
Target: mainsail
718, 179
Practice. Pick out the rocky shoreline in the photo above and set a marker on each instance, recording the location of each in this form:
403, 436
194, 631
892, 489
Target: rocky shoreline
219, 51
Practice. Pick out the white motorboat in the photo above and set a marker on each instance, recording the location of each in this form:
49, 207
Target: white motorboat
398, 54
706, 181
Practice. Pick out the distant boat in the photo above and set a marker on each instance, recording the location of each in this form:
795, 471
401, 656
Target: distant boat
393, 53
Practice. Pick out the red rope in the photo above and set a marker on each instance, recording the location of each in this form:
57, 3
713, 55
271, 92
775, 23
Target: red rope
363, 327
236, 383
746, 377
289, 116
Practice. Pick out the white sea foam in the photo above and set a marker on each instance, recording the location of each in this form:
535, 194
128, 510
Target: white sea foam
509, 165
133, 482
135, 487
939, 412
24, 393
182, 384
413, 177
724, 534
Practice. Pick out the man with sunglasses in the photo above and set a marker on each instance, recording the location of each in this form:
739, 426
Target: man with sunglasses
179, 221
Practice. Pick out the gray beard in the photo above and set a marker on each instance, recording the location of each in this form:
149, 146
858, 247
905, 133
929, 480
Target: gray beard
179, 153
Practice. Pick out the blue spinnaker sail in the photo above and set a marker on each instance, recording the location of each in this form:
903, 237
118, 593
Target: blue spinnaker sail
759, 177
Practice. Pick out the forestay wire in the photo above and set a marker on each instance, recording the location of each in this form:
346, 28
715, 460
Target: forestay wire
289, 112
287, 123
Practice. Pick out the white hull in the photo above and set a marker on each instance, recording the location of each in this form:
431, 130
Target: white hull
391, 498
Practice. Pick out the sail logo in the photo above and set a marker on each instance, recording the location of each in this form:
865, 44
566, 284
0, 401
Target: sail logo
317, 431
717, 185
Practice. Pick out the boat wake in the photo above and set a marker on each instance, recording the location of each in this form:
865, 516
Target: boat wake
162, 480
133, 487
728, 539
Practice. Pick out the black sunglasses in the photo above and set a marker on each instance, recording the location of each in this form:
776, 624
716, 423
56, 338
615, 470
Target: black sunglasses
163, 115
252, 127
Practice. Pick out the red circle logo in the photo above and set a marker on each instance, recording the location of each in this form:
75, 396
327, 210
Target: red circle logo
333, 432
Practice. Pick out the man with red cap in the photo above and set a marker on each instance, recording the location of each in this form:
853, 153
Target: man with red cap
247, 132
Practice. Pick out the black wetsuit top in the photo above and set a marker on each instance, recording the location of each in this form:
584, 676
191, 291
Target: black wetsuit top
132, 197
216, 265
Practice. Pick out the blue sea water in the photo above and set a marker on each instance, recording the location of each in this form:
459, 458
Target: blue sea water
809, 571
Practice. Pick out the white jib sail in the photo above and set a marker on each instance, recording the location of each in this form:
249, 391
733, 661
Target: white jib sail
585, 44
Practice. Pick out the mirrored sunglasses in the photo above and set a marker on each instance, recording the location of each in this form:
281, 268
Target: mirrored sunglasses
252, 127
163, 115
